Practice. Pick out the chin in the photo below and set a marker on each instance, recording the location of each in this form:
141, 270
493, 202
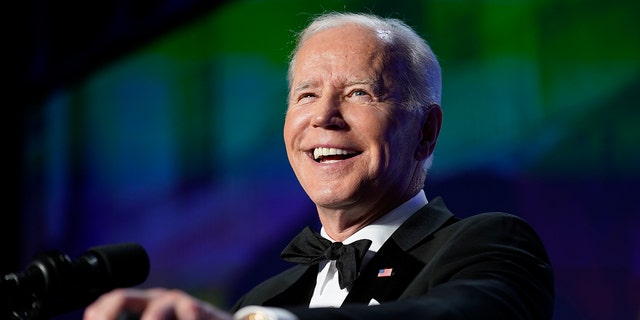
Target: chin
333, 199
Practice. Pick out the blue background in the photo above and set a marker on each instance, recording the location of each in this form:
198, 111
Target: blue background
160, 122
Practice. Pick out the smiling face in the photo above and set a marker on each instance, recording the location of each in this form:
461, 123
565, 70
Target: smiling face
350, 143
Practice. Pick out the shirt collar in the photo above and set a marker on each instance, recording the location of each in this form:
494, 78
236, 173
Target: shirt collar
381, 229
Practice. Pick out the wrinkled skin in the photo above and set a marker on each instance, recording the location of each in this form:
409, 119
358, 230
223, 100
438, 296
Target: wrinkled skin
343, 97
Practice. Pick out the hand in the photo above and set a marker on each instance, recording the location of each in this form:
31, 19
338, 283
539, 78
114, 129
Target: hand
152, 304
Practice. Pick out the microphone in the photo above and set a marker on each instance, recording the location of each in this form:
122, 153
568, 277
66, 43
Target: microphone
54, 284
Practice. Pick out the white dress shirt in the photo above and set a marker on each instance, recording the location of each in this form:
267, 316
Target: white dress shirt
327, 292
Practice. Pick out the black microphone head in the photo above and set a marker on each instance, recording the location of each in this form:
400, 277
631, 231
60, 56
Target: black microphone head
120, 265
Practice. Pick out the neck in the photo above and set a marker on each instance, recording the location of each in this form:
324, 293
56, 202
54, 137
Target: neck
340, 225
342, 221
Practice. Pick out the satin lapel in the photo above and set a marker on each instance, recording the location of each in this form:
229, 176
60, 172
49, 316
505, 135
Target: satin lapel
423, 224
386, 275
393, 267
295, 289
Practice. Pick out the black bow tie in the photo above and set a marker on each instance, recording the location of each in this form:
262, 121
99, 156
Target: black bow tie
309, 247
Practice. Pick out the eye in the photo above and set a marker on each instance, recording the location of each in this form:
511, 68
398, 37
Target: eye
306, 96
360, 96
359, 93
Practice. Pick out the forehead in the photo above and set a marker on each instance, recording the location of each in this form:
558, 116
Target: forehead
346, 34
347, 39
347, 49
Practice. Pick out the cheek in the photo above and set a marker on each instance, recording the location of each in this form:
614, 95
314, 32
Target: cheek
294, 124
289, 128
402, 142
286, 132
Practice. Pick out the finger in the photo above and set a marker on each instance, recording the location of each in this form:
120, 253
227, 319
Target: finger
163, 306
193, 309
176, 304
111, 305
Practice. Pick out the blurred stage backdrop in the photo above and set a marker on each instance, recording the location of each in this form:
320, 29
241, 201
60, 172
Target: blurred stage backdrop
160, 122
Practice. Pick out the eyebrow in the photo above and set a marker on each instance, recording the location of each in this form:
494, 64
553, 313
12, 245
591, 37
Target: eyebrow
360, 81
312, 83
304, 85
376, 86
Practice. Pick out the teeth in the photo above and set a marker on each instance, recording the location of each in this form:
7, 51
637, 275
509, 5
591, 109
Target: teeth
323, 152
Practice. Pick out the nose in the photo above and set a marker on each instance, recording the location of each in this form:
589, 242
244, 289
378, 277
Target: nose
328, 115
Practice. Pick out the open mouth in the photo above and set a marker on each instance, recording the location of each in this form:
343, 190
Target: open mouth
321, 155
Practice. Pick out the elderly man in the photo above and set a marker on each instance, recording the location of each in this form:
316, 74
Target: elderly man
361, 127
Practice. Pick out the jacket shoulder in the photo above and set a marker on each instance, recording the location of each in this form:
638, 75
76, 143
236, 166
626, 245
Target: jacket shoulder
271, 287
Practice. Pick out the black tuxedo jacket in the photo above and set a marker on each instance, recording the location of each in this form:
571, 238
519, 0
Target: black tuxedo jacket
488, 266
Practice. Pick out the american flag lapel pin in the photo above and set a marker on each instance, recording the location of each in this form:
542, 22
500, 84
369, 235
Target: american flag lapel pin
386, 272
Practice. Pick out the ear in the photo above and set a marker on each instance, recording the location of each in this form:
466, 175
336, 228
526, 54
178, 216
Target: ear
430, 131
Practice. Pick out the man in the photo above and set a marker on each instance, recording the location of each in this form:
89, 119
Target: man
361, 127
